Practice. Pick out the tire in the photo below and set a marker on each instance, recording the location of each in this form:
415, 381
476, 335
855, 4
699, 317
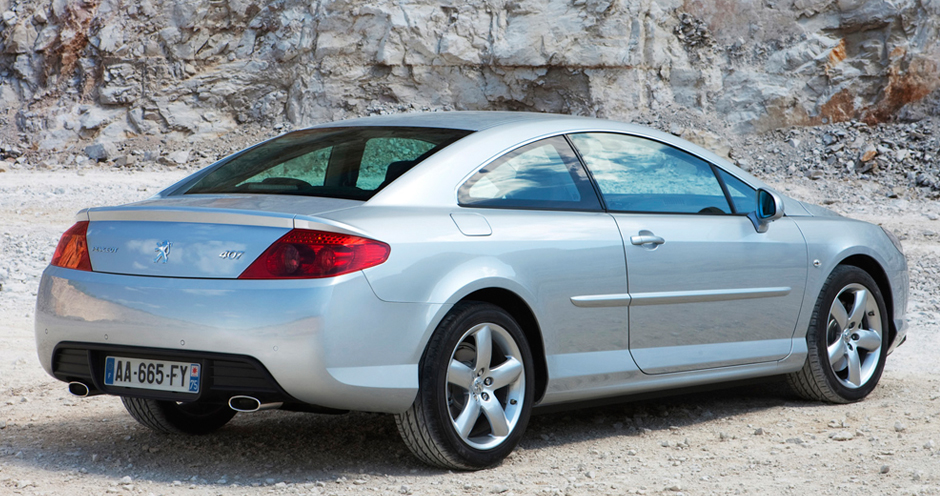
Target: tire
850, 324
471, 410
178, 418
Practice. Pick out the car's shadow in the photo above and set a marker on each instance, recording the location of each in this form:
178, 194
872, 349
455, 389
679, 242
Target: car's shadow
273, 447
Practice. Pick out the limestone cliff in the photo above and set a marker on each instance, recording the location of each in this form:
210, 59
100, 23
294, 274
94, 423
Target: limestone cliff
110, 69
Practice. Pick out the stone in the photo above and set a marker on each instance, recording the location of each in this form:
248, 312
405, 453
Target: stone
179, 158
181, 117
5, 166
45, 38
21, 38
101, 151
94, 118
124, 160
899, 427
841, 436
111, 37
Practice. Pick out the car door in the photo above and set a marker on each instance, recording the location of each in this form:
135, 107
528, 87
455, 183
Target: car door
544, 219
705, 288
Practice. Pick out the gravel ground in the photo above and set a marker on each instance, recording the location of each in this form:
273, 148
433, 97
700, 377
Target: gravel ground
746, 440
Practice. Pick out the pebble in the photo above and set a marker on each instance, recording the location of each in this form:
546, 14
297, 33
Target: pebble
899, 427
885, 469
841, 436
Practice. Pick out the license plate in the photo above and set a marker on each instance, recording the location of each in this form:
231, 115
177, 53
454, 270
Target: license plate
161, 375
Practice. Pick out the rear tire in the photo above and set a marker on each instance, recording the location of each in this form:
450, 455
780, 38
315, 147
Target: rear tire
178, 418
847, 340
475, 390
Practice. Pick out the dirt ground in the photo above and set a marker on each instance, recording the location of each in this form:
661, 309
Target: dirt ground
746, 440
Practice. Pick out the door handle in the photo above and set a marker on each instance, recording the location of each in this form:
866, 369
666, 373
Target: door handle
646, 237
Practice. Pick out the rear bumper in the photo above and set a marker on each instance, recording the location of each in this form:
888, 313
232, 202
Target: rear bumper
326, 342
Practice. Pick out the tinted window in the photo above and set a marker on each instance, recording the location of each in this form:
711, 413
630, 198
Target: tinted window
743, 197
545, 174
640, 175
350, 163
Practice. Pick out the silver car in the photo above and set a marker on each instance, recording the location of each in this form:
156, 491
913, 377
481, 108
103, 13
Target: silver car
458, 269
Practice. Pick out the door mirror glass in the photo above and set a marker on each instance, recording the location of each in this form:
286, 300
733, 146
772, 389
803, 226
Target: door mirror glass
769, 209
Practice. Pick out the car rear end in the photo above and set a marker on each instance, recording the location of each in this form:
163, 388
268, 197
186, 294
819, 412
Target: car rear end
237, 284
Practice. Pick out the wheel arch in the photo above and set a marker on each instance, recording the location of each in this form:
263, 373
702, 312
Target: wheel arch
525, 317
877, 272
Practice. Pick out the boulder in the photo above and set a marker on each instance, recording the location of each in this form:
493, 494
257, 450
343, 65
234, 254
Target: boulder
101, 151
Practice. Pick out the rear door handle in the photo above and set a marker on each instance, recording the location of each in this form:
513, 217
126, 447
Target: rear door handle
646, 237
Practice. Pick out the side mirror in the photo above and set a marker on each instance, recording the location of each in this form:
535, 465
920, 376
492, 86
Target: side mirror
769, 209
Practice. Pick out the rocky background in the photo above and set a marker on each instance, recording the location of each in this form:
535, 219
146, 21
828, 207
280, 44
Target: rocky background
123, 75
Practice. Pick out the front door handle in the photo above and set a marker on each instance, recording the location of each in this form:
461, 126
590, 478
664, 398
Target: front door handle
645, 237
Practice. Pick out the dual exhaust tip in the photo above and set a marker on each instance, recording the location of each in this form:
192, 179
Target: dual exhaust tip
241, 403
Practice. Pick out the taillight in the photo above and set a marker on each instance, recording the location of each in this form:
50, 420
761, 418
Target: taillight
72, 250
304, 254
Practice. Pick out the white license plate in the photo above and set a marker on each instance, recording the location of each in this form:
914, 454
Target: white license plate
161, 375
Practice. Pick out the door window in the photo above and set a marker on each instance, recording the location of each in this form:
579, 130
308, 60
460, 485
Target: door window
542, 175
640, 175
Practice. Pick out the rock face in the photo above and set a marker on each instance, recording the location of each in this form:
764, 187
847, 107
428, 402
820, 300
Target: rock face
110, 69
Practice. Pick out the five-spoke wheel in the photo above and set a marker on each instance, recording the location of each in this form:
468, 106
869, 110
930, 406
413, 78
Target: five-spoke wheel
846, 339
854, 336
485, 390
475, 390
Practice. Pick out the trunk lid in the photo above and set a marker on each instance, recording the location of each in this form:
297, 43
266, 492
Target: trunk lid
204, 236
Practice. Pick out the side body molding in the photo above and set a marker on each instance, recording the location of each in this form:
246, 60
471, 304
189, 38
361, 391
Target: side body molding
668, 297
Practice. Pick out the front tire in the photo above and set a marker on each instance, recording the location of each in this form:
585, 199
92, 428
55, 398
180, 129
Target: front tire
847, 340
178, 418
475, 390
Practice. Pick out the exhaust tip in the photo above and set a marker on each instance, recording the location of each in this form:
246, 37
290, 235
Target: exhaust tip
79, 389
244, 404
248, 404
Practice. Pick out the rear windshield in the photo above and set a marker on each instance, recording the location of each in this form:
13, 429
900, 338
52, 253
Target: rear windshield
351, 163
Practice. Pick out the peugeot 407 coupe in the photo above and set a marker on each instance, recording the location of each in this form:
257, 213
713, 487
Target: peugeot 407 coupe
457, 269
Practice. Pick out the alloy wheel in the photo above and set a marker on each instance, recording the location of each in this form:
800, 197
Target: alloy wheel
854, 336
485, 386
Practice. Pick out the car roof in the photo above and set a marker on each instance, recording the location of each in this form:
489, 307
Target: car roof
465, 120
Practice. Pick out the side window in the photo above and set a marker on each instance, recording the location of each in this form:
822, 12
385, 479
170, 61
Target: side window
388, 158
743, 196
640, 175
542, 175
